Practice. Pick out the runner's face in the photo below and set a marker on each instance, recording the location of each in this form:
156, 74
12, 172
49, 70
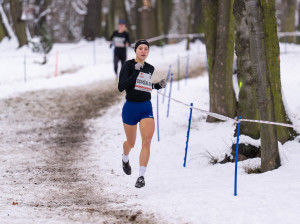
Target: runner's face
122, 27
142, 52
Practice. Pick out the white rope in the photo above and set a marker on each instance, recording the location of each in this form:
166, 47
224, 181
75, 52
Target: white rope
225, 118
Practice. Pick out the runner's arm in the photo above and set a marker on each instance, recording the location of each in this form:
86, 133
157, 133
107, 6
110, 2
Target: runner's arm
127, 77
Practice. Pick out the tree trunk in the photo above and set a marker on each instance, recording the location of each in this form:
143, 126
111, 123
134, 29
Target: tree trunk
298, 26
3, 31
18, 24
167, 6
146, 15
247, 106
269, 146
126, 17
92, 20
273, 54
288, 17
190, 18
111, 17
159, 21
198, 26
219, 33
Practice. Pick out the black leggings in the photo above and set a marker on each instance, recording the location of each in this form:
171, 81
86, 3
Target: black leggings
118, 58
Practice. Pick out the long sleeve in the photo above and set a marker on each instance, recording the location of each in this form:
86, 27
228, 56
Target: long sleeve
127, 77
112, 36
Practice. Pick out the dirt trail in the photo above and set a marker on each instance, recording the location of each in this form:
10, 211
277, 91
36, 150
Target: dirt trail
43, 144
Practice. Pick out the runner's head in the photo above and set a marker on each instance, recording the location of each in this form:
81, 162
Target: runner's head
141, 50
122, 25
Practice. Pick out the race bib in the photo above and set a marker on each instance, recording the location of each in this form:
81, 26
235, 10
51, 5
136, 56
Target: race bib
119, 41
144, 82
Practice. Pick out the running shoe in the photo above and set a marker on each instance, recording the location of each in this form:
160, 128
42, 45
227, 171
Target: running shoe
126, 167
140, 182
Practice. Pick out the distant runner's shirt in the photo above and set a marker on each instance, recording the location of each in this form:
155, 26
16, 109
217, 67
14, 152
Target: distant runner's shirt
137, 83
120, 40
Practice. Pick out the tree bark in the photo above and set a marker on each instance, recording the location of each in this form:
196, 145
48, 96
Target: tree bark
273, 63
287, 17
219, 33
146, 16
126, 17
190, 21
298, 26
159, 21
3, 31
269, 146
198, 26
247, 106
92, 21
18, 24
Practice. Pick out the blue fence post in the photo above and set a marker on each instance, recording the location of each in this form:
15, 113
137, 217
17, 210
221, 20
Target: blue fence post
188, 135
187, 69
24, 67
167, 80
168, 111
157, 118
236, 157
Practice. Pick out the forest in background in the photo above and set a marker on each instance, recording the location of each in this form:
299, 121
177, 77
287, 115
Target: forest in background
69, 21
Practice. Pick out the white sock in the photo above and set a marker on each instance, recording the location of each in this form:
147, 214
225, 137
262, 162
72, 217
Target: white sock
142, 171
125, 158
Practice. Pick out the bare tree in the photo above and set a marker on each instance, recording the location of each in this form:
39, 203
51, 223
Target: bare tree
269, 146
246, 106
219, 34
18, 23
286, 16
3, 31
92, 21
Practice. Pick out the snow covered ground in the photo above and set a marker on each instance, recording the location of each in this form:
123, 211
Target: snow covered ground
200, 192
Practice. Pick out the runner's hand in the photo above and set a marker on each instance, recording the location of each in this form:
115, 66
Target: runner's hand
162, 83
138, 66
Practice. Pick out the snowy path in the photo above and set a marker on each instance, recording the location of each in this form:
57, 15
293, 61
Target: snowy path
48, 171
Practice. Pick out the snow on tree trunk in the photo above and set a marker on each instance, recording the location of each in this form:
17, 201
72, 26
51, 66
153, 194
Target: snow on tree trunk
269, 145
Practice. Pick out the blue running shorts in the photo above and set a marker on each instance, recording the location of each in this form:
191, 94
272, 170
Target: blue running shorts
134, 112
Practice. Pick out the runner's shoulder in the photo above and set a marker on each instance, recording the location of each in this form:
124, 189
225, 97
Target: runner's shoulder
151, 67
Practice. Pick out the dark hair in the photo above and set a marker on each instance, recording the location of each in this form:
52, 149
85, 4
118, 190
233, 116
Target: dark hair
139, 42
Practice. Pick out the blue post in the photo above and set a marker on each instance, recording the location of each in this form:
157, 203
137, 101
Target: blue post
170, 95
168, 76
187, 69
236, 158
157, 118
188, 135
24, 67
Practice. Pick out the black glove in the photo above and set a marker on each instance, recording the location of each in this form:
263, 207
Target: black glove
161, 84
110, 46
